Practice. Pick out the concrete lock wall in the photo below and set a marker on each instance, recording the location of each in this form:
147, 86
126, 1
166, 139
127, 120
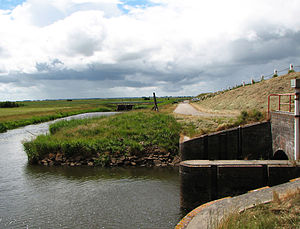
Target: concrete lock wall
282, 128
203, 181
248, 142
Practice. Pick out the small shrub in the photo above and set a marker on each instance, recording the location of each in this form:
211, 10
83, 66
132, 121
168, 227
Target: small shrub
8, 104
275, 75
249, 116
3, 128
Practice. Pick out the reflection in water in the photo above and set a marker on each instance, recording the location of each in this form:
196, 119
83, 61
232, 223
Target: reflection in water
82, 197
94, 173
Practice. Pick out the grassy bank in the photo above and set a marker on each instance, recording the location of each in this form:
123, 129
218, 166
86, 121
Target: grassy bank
32, 112
252, 96
106, 139
4, 126
238, 106
281, 213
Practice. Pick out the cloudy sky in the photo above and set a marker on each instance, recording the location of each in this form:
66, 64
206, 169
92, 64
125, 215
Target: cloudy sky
115, 48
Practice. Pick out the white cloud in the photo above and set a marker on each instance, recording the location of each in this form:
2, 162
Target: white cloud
183, 44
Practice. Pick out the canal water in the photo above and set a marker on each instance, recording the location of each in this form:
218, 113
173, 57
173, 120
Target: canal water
33, 196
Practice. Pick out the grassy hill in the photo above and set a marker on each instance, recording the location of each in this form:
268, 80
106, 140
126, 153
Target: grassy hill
238, 106
250, 97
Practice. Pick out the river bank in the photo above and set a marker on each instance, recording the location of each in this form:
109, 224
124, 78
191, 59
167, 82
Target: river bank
143, 139
155, 158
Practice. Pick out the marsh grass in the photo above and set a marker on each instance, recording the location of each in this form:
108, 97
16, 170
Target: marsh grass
126, 134
280, 213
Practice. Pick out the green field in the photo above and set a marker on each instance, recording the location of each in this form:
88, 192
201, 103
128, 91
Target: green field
31, 112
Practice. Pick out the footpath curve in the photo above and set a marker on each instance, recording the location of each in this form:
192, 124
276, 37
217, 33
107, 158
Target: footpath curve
210, 214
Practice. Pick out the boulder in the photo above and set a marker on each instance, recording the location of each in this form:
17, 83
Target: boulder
157, 162
51, 156
78, 158
113, 160
58, 157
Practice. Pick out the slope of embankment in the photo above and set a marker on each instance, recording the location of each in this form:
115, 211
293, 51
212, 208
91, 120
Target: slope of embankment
252, 96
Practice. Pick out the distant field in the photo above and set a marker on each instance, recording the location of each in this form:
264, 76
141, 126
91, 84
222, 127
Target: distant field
45, 108
31, 112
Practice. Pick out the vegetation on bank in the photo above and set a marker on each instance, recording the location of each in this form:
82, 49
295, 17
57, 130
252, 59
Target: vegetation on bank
193, 126
106, 138
33, 112
280, 213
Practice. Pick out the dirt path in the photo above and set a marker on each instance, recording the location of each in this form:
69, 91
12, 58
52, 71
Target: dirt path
186, 109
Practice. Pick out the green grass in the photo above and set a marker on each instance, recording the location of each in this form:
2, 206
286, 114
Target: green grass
38, 119
281, 213
32, 112
126, 134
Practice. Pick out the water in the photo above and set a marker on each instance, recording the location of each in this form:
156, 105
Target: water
33, 196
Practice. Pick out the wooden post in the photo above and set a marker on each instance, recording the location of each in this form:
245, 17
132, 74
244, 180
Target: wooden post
155, 103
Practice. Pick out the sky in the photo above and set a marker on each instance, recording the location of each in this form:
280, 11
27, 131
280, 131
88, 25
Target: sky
57, 49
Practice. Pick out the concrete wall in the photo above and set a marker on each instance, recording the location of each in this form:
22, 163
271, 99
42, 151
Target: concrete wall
282, 127
210, 214
203, 181
248, 142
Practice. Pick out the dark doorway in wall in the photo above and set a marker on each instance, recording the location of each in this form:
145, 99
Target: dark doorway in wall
280, 155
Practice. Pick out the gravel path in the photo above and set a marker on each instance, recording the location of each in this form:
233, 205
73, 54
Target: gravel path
186, 109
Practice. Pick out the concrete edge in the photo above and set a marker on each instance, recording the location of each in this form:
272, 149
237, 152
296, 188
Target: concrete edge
210, 214
187, 219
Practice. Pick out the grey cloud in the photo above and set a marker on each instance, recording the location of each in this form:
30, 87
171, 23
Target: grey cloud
268, 47
44, 66
81, 43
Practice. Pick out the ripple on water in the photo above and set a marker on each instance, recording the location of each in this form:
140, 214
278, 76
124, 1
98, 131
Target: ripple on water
62, 197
